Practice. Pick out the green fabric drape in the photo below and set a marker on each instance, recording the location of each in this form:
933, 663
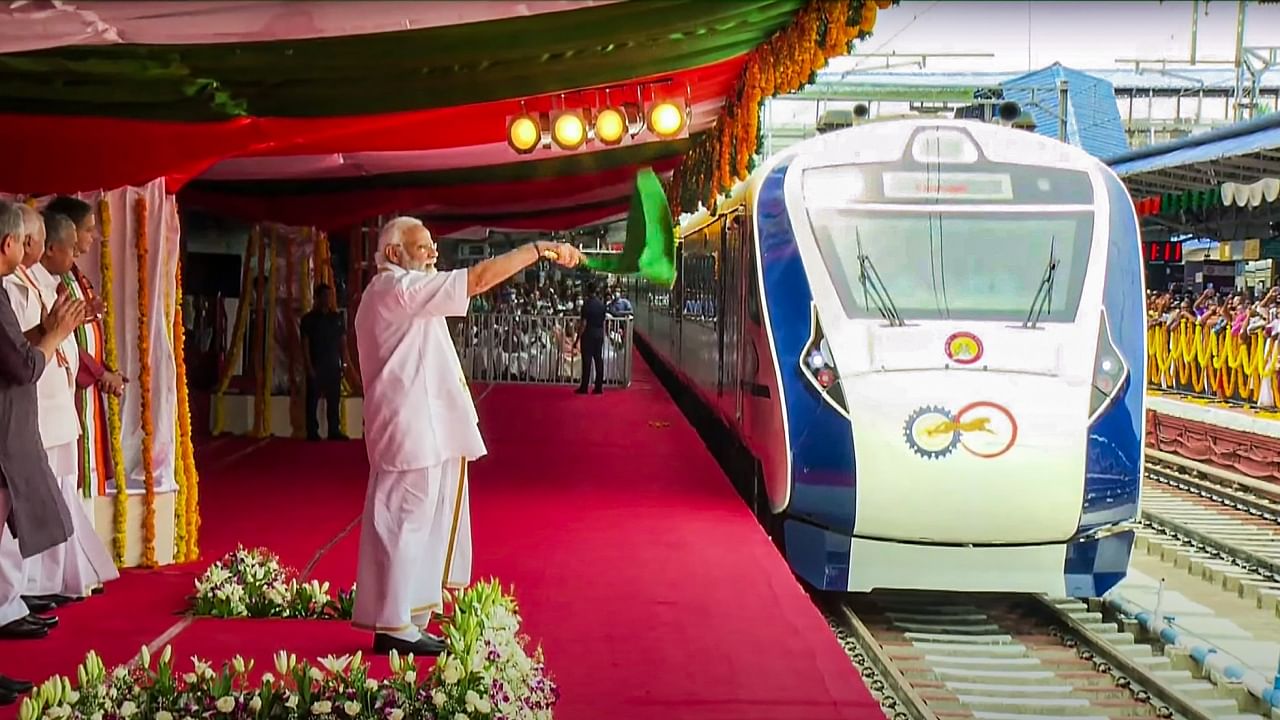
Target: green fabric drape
650, 246
389, 72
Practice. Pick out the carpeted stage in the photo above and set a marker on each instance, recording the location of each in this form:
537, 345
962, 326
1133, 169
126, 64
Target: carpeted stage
648, 583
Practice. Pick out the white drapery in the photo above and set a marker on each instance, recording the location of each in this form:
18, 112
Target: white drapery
162, 263
41, 24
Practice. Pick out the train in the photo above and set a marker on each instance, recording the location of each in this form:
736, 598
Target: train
924, 341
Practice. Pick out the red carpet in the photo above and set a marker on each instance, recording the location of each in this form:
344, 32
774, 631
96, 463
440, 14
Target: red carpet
649, 585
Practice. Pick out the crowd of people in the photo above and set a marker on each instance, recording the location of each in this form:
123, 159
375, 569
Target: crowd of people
540, 333
1239, 312
52, 380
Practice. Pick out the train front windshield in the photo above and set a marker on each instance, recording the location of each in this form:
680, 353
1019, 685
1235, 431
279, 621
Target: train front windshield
937, 259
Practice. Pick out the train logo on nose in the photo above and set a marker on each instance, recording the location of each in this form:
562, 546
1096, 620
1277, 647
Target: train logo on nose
984, 429
964, 348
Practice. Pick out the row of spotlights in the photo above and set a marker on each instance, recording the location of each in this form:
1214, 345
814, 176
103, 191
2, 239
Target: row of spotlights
568, 128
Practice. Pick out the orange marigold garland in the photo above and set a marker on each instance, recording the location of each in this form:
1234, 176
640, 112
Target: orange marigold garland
144, 391
171, 310
789, 60
120, 502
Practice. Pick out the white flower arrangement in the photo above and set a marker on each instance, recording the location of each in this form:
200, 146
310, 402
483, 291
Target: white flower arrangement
253, 583
484, 675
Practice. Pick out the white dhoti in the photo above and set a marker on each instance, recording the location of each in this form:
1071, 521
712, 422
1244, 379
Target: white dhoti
81, 564
414, 532
12, 580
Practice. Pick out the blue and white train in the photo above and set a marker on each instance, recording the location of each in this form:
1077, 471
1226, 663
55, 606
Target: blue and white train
927, 338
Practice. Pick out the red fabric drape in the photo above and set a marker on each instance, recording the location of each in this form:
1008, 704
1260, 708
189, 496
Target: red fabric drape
333, 211
48, 154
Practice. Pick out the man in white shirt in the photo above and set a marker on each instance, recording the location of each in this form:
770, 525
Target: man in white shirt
74, 569
420, 430
86, 565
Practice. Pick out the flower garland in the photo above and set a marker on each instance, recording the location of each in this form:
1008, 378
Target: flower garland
821, 30
269, 333
144, 387
484, 672
260, 336
187, 510
171, 312
238, 332
253, 583
297, 373
120, 502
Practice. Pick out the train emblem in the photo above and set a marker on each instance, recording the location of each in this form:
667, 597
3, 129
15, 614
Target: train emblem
964, 348
983, 429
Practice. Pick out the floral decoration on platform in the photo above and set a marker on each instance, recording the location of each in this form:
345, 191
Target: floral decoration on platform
254, 584
485, 673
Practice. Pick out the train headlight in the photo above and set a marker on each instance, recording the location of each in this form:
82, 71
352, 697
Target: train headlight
818, 365
1109, 371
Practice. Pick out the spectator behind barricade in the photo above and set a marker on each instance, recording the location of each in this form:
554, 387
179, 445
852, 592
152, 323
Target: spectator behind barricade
620, 306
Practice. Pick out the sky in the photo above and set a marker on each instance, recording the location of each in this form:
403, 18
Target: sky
1083, 35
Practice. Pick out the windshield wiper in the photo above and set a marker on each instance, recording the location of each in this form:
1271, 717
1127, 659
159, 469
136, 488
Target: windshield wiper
873, 287
1044, 293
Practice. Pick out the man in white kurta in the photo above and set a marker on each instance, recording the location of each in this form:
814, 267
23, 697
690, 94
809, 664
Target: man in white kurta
420, 430
82, 564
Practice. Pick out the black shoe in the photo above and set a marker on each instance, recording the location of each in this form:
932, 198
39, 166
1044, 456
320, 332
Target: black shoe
314, 438
36, 605
98, 590
424, 647
47, 622
14, 687
7, 698
58, 600
580, 391
599, 391
22, 629
338, 436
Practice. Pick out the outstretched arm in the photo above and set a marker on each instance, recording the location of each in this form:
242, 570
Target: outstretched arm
491, 272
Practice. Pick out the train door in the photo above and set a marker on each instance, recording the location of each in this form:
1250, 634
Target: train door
732, 298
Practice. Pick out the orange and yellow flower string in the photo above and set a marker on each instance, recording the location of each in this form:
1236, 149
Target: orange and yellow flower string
187, 509
144, 387
268, 318
174, 335
260, 337
120, 502
297, 373
821, 30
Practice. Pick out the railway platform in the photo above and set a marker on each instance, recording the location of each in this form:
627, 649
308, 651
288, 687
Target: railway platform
639, 570
1231, 437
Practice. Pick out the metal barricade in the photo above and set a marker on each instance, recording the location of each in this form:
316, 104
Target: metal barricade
538, 349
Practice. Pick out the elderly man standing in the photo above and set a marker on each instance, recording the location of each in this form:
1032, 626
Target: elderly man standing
73, 570
30, 503
420, 429
95, 378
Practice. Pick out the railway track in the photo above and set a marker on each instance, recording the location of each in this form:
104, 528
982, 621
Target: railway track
1223, 526
1012, 657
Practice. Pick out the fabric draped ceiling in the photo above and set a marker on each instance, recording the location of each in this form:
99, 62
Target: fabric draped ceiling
162, 265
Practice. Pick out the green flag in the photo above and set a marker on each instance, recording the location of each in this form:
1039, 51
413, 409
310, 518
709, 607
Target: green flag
650, 247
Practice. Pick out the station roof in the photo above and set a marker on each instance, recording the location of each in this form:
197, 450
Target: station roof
328, 113
840, 81
1244, 154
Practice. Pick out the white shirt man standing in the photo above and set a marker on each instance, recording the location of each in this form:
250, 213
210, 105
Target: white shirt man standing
74, 569
420, 429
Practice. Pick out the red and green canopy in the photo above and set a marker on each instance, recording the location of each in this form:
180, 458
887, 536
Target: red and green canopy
323, 113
